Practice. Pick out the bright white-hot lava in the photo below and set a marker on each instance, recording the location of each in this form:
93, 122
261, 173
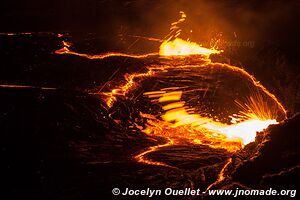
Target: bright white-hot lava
179, 47
180, 123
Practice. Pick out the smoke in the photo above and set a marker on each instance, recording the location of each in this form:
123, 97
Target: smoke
274, 21
271, 21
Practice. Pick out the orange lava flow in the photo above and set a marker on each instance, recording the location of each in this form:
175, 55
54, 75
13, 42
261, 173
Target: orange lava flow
181, 124
65, 50
124, 89
257, 84
179, 47
141, 157
178, 123
213, 134
221, 176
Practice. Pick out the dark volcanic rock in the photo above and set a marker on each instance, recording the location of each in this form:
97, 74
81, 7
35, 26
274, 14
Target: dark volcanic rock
277, 164
49, 137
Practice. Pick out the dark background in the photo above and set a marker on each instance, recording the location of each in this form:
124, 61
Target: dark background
269, 20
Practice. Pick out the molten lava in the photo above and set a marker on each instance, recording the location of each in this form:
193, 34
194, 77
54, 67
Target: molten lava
179, 47
180, 121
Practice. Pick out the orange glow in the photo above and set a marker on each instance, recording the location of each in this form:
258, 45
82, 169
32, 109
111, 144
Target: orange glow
66, 50
141, 157
179, 47
174, 46
178, 122
124, 89
221, 176
171, 96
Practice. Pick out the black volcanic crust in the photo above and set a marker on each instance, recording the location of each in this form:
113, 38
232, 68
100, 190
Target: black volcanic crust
58, 144
49, 138
277, 165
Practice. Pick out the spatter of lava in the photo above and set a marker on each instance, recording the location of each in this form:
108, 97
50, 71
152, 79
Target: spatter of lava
194, 100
